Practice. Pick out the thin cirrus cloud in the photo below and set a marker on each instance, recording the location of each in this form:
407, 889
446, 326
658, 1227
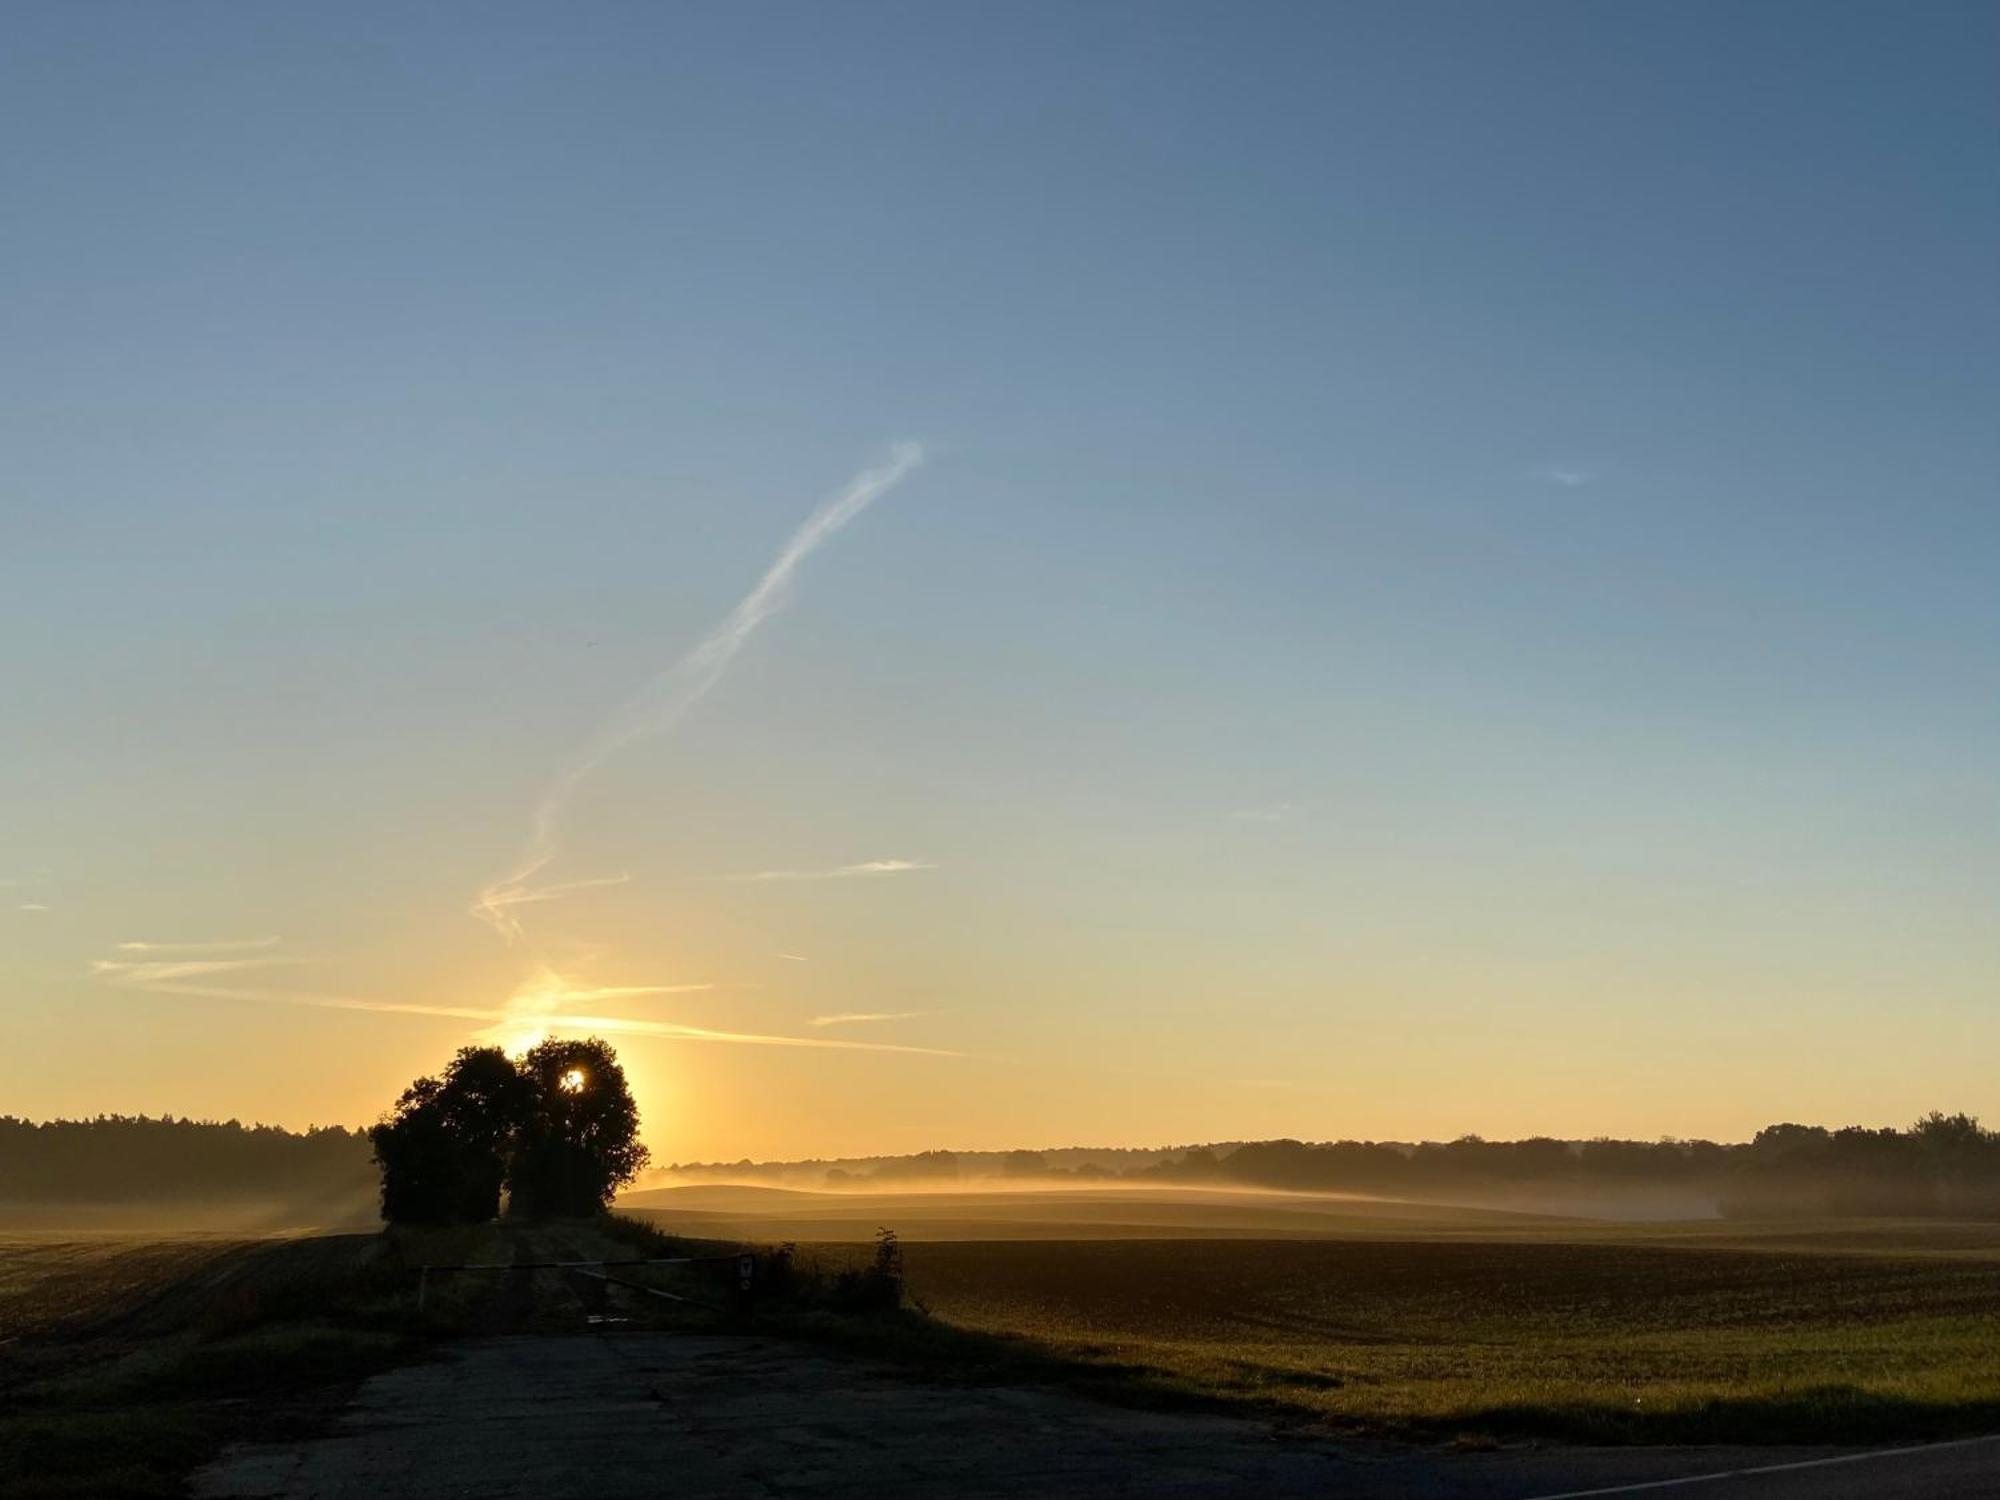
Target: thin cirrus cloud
497, 1021
660, 703
222, 945
841, 872
494, 904
32, 906
860, 1017
538, 1007
158, 970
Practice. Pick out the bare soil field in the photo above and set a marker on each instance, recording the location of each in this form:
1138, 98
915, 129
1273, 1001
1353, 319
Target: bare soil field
71, 1283
1113, 1212
1418, 1331
1429, 1320
1592, 1341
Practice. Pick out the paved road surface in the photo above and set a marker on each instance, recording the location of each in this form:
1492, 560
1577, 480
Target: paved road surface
644, 1416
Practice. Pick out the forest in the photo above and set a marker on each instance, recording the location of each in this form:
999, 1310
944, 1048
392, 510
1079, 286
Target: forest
128, 1159
1943, 1165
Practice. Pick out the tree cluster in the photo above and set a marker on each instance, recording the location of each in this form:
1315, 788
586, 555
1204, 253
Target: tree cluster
557, 1131
1942, 1166
127, 1159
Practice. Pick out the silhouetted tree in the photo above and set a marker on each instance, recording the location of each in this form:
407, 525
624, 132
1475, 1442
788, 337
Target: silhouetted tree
579, 1141
420, 1159
445, 1149
484, 1102
557, 1130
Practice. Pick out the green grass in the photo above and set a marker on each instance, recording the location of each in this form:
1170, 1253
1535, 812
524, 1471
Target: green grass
1599, 1341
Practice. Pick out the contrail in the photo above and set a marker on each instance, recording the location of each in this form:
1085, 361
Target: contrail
853, 1017
151, 970
227, 945
494, 1019
660, 703
840, 872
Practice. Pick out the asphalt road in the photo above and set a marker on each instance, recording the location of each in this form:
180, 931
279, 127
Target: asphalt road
638, 1416
1946, 1471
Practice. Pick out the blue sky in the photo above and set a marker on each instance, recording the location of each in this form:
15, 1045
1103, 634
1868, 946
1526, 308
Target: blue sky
1456, 552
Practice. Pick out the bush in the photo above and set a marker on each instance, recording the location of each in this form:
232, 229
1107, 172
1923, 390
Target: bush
876, 1288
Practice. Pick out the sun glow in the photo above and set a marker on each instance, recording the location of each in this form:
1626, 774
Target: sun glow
573, 1081
519, 1043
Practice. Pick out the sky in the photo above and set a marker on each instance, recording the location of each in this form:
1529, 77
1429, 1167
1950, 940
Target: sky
1005, 576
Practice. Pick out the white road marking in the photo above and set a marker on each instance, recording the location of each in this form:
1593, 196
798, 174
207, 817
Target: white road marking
1809, 1463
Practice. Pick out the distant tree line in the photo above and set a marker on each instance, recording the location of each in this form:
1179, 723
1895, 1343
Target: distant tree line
557, 1131
135, 1159
489, 1125
1943, 1165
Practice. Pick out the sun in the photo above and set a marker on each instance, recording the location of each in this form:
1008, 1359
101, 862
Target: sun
572, 1082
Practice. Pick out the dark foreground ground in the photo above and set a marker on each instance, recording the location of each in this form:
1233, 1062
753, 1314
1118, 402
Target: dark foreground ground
640, 1416
1551, 1366
1427, 1324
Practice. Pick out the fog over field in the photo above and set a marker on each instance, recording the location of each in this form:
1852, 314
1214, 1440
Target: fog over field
220, 1215
1942, 1166
1032, 1210
167, 1174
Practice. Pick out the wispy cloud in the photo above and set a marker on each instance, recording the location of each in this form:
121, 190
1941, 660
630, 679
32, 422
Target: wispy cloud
841, 872
1569, 476
35, 885
675, 1031
155, 970
222, 945
541, 1006
494, 904
499, 1023
855, 1017
545, 997
658, 705
797, 958
625, 991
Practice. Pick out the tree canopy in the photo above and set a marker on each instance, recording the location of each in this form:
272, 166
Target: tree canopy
557, 1130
